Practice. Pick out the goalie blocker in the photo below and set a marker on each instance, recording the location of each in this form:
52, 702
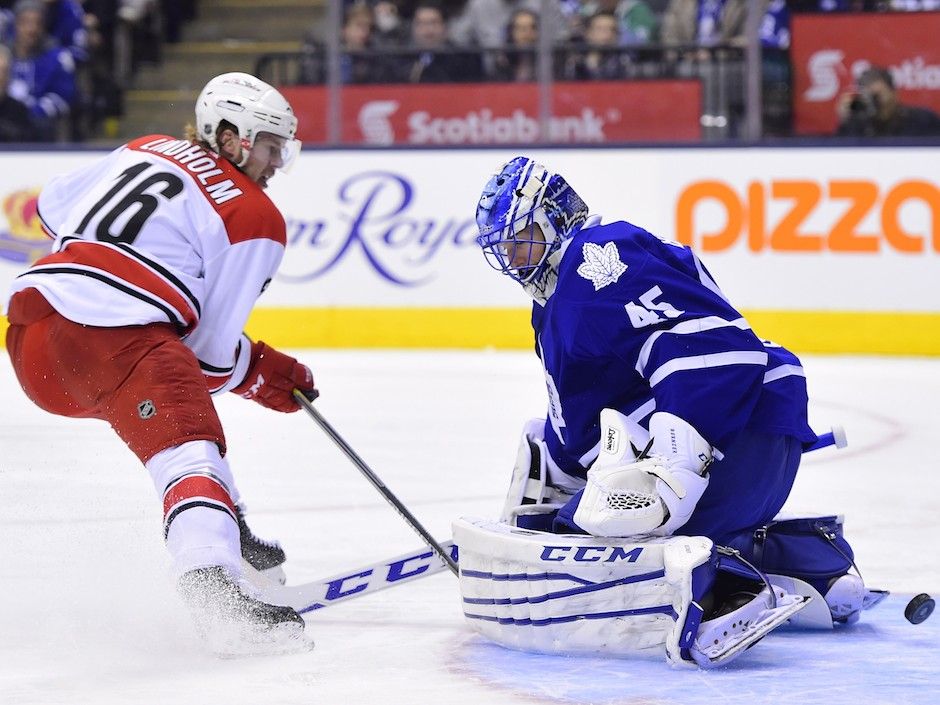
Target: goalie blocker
572, 594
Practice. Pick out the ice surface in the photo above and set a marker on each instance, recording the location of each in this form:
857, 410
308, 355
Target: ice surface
88, 614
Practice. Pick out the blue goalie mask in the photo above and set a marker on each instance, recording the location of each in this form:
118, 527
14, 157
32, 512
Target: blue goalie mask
522, 195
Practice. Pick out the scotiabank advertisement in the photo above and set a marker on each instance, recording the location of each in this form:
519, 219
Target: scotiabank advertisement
499, 113
829, 51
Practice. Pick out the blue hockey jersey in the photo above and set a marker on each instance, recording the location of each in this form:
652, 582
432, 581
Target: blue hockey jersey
638, 324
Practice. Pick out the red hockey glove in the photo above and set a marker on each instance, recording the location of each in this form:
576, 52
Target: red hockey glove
272, 377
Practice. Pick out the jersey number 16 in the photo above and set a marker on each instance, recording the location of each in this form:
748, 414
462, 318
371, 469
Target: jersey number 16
135, 203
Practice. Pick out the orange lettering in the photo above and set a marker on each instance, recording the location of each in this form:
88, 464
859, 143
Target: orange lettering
895, 234
785, 237
862, 196
724, 194
756, 232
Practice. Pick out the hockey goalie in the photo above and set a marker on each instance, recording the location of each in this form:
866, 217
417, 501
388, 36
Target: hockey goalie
643, 512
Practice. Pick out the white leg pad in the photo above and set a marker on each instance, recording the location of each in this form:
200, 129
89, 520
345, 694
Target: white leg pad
552, 593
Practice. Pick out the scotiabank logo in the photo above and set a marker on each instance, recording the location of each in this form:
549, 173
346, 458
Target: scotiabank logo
826, 68
377, 123
374, 121
483, 127
841, 204
823, 69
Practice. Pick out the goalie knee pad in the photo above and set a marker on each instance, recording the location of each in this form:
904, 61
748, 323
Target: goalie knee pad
810, 555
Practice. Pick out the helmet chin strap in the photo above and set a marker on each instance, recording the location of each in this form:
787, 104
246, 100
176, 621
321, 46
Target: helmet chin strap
246, 152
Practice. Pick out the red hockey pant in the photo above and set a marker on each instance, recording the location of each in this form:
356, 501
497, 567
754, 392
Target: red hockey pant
140, 379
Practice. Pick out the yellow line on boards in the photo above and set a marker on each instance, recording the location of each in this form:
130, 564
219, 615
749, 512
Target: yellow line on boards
829, 332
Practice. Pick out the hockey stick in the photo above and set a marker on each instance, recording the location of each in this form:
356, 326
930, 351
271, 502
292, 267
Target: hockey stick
836, 438
374, 479
366, 580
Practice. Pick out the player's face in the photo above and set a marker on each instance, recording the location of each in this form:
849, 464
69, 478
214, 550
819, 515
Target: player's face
524, 251
265, 157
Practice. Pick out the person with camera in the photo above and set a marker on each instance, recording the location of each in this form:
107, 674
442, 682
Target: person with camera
873, 109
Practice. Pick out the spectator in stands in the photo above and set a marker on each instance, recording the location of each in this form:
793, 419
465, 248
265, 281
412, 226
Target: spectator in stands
98, 88
872, 109
599, 60
175, 14
774, 28
43, 74
636, 21
482, 22
861, 5
65, 22
704, 22
915, 5
357, 62
16, 124
518, 61
436, 61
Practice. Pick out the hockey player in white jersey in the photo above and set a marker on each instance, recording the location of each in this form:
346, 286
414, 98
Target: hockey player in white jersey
668, 417
136, 318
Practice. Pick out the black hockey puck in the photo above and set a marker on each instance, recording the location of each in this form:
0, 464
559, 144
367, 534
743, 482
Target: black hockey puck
919, 608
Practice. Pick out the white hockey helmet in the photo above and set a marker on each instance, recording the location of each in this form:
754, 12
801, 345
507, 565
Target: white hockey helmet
252, 106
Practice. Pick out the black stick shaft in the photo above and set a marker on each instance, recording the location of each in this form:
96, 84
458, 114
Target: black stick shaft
374, 479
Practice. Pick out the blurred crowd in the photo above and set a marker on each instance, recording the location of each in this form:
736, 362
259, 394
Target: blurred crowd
429, 41
64, 63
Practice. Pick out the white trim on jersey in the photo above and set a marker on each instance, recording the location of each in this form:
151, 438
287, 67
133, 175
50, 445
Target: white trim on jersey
783, 371
706, 280
700, 362
696, 325
225, 379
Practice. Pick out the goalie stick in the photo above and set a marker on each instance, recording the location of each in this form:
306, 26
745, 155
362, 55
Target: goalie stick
369, 579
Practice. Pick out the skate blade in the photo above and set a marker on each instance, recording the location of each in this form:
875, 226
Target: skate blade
276, 575
873, 597
721, 654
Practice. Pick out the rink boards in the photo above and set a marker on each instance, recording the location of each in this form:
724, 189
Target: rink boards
824, 249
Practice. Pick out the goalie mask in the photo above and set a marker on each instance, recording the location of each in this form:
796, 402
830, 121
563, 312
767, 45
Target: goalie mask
253, 107
522, 195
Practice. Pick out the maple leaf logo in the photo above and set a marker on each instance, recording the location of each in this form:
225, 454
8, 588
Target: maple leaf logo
602, 265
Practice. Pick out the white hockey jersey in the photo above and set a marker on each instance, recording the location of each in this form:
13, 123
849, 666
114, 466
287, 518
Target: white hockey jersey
161, 230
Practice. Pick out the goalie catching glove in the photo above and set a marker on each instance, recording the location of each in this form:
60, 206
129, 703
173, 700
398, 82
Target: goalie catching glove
272, 377
628, 496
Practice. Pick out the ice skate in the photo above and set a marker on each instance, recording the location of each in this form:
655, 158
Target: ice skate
847, 596
233, 623
741, 620
267, 557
